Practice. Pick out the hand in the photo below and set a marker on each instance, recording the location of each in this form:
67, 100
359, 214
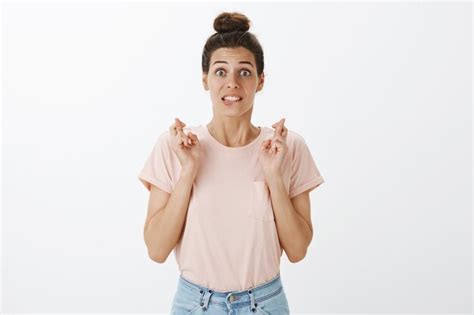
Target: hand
186, 146
273, 151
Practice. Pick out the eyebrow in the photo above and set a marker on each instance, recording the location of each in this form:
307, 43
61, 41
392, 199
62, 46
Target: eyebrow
220, 61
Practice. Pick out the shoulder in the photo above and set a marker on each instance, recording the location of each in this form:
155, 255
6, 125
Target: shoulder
296, 145
294, 138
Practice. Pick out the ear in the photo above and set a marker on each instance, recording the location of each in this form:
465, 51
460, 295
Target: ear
204, 81
261, 81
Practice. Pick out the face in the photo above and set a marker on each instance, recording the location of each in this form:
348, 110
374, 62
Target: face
232, 71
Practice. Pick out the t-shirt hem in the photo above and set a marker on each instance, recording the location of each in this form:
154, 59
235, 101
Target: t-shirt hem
147, 180
228, 289
309, 185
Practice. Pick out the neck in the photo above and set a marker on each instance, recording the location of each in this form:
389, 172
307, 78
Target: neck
233, 134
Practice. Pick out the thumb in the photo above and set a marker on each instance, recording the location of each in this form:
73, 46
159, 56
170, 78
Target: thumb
265, 144
193, 137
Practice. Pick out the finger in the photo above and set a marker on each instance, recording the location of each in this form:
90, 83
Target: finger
266, 144
277, 145
172, 129
179, 123
192, 138
179, 128
279, 138
281, 125
176, 126
182, 138
276, 124
189, 141
278, 127
284, 132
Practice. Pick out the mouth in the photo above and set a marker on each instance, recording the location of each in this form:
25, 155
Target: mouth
231, 100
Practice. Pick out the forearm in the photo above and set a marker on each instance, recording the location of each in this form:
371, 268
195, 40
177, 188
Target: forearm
294, 233
164, 229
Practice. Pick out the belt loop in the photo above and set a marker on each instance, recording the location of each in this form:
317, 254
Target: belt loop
205, 304
253, 305
202, 293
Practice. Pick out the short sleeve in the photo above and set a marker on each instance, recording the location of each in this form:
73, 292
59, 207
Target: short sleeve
304, 172
158, 166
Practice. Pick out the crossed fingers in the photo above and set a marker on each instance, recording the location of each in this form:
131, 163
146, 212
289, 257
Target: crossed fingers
176, 130
281, 132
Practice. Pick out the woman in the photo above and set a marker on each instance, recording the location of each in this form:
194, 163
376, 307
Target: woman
228, 196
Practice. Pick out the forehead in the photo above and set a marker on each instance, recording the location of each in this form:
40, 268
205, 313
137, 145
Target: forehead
232, 56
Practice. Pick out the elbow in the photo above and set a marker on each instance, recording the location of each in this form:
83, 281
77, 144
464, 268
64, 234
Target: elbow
297, 256
295, 259
159, 258
156, 254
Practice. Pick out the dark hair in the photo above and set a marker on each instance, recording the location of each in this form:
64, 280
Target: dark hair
232, 32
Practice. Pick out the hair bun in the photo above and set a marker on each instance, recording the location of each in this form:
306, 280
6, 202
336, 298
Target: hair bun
230, 22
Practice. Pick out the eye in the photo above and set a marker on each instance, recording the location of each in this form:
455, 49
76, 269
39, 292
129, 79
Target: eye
220, 70
217, 71
245, 70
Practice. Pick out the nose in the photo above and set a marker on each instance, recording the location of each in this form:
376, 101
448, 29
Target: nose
232, 82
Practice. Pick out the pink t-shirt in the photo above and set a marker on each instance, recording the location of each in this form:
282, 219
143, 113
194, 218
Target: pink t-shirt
230, 241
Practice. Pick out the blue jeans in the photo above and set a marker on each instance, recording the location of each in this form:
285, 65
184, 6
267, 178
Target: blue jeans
268, 298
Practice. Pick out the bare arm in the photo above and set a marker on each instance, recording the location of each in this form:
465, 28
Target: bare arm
293, 221
164, 225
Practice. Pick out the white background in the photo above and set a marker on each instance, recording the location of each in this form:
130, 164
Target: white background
381, 92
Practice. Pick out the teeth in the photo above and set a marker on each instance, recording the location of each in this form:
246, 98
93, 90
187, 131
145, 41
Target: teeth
232, 98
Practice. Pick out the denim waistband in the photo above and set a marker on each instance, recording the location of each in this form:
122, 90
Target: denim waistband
233, 299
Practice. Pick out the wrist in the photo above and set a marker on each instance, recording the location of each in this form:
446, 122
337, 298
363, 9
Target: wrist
189, 172
272, 172
273, 176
